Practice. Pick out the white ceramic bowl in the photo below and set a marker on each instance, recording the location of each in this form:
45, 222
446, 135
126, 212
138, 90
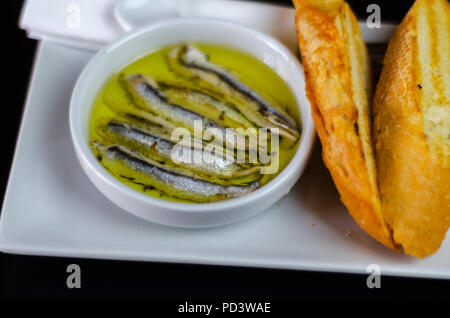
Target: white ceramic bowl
146, 39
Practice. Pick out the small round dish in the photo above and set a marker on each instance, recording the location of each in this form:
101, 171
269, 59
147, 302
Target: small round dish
145, 40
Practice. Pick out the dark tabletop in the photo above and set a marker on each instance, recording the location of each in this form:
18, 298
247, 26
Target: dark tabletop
30, 276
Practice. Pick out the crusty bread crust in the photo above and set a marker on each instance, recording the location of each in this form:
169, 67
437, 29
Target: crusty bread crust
324, 46
414, 182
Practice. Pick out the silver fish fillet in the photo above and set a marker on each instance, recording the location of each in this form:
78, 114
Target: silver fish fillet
190, 62
152, 143
205, 105
147, 95
153, 174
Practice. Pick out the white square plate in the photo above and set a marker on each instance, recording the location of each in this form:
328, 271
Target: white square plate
51, 208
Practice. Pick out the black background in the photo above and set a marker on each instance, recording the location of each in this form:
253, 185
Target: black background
27, 276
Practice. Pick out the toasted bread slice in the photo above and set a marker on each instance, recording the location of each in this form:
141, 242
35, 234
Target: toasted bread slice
337, 74
412, 129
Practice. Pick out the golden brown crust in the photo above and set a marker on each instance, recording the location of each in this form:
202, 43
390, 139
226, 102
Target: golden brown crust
414, 187
329, 89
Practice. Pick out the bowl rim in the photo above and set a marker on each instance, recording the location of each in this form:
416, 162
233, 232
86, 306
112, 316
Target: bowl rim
298, 161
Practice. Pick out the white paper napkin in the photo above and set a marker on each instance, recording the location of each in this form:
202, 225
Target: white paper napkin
82, 23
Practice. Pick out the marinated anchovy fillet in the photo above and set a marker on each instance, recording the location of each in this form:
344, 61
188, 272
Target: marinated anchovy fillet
205, 105
188, 61
153, 143
166, 179
147, 95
